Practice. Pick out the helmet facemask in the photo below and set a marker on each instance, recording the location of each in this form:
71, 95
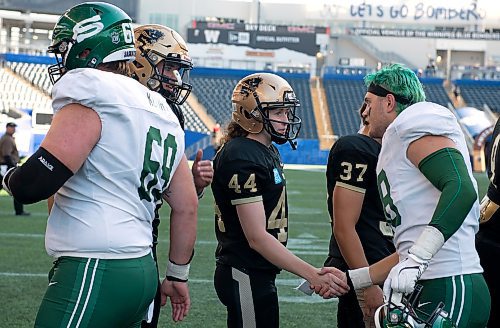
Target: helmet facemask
402, 311
60, 52
175, 86
293, 123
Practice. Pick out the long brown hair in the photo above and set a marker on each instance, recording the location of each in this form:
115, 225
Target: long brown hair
233, 130
119, 67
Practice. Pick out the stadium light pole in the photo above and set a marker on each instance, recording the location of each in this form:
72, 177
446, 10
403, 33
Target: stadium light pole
258, 14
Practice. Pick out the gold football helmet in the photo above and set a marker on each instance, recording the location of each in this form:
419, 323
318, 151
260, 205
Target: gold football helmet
258, 93
162, 62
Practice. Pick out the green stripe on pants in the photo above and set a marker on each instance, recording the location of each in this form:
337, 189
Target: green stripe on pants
98, 293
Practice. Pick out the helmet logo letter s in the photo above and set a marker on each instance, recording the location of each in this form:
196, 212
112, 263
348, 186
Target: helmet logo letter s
87, 28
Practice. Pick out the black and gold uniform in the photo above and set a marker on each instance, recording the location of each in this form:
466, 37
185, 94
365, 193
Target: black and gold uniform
351, 164
488, 237
247, 171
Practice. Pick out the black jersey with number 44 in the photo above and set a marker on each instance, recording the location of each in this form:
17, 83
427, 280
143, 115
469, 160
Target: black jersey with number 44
351, 164
246, 171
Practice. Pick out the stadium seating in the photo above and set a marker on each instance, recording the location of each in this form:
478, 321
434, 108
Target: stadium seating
17, 94
478, 93
345, 94
435, 92
37, 75
192, 121
214, 87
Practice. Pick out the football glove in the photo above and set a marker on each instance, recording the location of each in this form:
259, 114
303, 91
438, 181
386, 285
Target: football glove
404, 275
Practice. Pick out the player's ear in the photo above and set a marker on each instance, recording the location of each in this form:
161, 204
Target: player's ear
391, 102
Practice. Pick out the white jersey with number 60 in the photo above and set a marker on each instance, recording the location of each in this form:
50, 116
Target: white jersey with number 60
105, 210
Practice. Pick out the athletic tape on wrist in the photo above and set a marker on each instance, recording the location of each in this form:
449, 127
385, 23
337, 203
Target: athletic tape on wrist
177, 272
360, 278
428, 243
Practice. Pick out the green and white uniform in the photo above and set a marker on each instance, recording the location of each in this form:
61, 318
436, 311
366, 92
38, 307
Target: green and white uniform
410, 199
100, 227
105, 210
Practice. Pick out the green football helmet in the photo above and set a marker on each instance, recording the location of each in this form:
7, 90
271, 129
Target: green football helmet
100, 29
401, 311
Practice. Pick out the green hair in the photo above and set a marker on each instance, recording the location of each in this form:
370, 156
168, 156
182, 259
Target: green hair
399, 80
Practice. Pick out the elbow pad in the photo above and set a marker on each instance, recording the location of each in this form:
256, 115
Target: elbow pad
37, 179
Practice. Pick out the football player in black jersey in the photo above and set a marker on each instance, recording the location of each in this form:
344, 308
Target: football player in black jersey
360, 235
251, 210
487, 239
162, 64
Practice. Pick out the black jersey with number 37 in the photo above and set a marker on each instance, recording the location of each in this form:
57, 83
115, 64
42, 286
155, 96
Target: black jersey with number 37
246, 171
351, 164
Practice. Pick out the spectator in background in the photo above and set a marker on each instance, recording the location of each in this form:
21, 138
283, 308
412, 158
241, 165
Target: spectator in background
9, 157
488, 237
251, 205
113, 150
360, 233
162, 64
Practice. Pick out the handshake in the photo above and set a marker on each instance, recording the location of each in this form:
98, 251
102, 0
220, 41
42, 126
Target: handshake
327, 282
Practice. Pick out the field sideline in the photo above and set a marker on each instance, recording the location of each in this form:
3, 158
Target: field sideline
24, 264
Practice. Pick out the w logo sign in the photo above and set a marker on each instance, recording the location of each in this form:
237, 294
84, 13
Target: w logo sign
87, 28
211, 36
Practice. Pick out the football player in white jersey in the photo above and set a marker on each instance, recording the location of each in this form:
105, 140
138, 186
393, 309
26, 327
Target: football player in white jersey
430, 198
114, 149
163, 64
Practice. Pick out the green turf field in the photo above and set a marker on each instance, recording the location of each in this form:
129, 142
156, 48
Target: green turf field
24, 263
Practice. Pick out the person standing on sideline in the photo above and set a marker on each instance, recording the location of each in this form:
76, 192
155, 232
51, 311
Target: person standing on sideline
9, 156
113, 150
360, 234
162, 64
251, 204
429, 196
488, 237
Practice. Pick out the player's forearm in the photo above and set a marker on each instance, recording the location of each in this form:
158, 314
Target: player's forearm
380, 270
182, 234
274, 251
351, 248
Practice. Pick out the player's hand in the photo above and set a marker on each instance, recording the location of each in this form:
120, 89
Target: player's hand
374, 298
203, 172
404, 275
178, 292
330, 282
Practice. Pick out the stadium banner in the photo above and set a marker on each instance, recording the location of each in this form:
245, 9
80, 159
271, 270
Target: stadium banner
408, 33
304, 39
451, 13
